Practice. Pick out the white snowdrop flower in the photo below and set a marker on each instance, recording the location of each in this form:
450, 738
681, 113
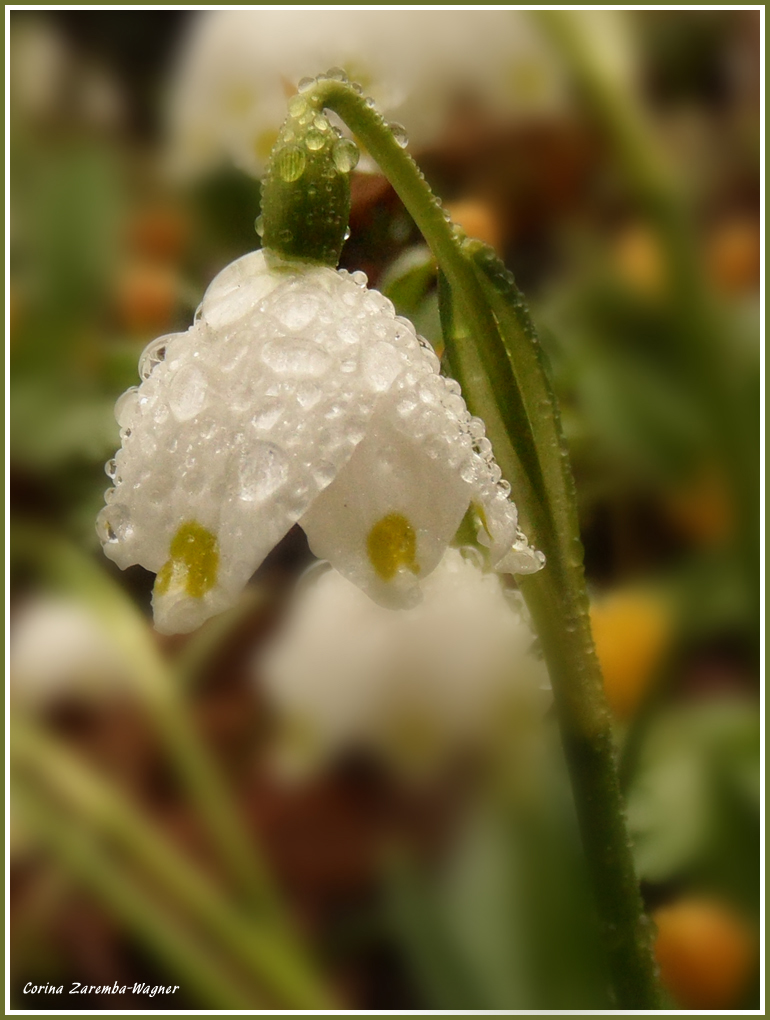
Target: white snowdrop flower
297, 396
412, 687
59, 647
236, 67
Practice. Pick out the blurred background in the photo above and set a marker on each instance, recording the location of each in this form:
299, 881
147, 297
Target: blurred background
613, 161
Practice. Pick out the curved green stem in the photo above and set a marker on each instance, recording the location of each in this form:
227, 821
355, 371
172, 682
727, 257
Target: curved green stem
501, 367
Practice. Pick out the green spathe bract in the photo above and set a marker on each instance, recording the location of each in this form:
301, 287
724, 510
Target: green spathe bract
306, 193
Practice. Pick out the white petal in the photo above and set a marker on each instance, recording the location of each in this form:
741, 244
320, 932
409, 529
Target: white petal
388, 517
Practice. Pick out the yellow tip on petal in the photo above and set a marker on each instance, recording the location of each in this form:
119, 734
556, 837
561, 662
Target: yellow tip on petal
391, 544
194, 562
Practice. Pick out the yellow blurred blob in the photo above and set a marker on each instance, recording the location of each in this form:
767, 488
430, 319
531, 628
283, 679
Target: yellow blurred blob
639, 261
146, 297
705, 952
703, 509
631, 629
733, 256
478, 219
264, 142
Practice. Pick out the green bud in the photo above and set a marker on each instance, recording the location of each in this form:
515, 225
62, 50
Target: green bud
306, 192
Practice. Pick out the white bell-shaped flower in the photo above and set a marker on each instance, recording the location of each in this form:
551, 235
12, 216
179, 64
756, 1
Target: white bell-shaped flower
296, 396
412, 687
228, 91
58, 648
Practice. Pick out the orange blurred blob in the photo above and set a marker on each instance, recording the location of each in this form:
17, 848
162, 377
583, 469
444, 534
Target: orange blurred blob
146, 297
705, 952
703, 510
733, 256
478, 219
158, 232
631, 629
639, 260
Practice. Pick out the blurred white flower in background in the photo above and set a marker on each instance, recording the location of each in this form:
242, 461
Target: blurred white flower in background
59, 648
236, 69
297, 396
412, 686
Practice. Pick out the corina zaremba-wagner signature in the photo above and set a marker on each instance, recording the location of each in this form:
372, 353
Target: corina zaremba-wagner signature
115, 989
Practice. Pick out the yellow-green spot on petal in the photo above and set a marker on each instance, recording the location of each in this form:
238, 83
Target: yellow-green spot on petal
392, 544
194, 562
478, 509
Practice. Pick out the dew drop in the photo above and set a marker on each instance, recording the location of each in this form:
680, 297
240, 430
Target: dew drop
297, 105
126, 406
305, 84
188, 393
321, 123
324, 474
263, 469
114, 524
259, 224
152, 355
295, 358
345, 155
336, 74
291, 163
298, 311
399, 133
111, 468
315, 141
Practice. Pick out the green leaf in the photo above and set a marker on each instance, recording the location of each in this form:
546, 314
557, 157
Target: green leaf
409, 278
693, 807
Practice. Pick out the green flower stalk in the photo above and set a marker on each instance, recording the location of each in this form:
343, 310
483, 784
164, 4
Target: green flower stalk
495, 354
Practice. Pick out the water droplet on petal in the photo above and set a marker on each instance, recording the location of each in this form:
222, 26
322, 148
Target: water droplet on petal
305, 84
126, 406
295, 357
152, 355
188, 393
336, 74
114, 524
111, 468
263, 469
259, 224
